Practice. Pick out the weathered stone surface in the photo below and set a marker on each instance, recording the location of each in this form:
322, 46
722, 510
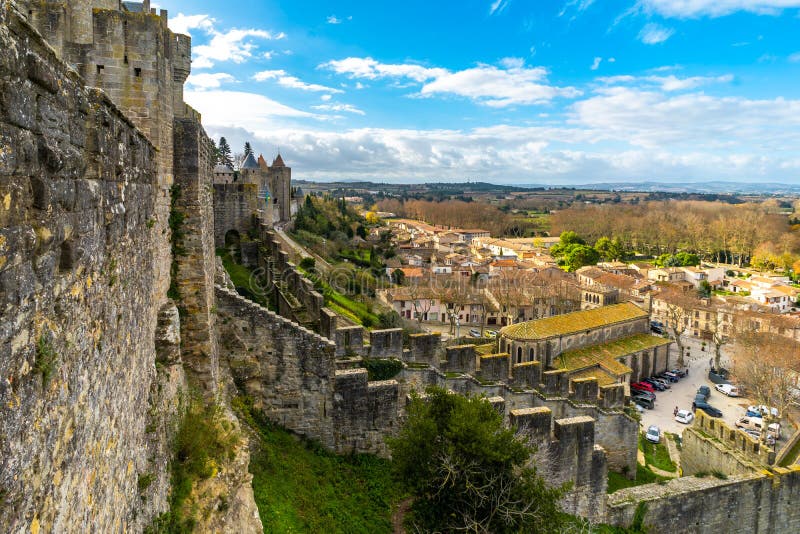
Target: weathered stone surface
77, 315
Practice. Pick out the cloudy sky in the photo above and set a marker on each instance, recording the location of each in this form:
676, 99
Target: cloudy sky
508, 91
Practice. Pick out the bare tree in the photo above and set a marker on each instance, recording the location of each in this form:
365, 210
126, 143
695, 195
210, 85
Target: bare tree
421, 300
678, 307
768, 367
721, 333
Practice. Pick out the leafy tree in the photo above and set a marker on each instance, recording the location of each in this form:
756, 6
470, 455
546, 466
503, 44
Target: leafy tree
225, 153
467, 472
705, 289
248, 149
610, 249
214, 152
399, 276
578, 256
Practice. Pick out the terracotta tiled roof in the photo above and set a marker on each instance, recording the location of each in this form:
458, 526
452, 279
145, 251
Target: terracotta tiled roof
574, 322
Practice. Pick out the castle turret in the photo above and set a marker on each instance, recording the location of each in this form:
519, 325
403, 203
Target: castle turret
279, 179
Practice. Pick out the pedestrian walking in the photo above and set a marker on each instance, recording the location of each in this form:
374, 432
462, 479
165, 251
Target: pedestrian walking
675, 411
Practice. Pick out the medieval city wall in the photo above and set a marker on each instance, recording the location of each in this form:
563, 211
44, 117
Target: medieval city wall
79, 187
758, 504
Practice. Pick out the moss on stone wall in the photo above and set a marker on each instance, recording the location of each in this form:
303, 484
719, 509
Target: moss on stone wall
176, 220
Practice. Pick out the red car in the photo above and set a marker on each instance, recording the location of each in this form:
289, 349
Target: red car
643, 386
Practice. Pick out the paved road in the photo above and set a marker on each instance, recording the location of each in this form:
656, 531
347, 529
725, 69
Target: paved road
682, 393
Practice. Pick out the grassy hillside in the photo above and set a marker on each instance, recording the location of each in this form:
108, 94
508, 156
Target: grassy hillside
300, 487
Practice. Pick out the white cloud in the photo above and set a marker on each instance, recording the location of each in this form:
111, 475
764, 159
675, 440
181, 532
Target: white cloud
596, 63
234, 45
486, 84
291, 82
667, 83
505, 154
497, 6
714, 8
795, 58
368, 68
612, 60
333, 19
238, 108
207, 80
325, 98
186, 23
339, 107
578, 5
653, 33
647, 118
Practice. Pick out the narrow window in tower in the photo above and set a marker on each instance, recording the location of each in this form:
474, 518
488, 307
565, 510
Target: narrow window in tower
100, 69
138, 72
125, 60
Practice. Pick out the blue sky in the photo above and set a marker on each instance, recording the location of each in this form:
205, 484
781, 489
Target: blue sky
509, 91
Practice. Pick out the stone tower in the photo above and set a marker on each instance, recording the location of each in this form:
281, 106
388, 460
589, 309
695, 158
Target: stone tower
279, 178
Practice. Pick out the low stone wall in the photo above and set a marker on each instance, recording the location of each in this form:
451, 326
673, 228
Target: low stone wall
386, 343
425, 348
494, 367
712, 446
763, 503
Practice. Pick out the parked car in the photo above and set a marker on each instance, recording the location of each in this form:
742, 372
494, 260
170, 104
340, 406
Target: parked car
684, 416
763, 410
656, 327
644, 401
705, 391
491, 333
655, 383
663, 381
648, 394
728, 389
643, 385
474, 332
653, 434
680, 373
719, 376
710, 410
750, 423
668, 375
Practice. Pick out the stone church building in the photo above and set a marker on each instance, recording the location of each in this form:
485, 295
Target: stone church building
612, 344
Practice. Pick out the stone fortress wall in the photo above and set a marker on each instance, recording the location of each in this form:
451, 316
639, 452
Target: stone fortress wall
87, 331
92, 349
79, 189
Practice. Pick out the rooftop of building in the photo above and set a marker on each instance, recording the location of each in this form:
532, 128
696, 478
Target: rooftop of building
605, 355
250, 162
571, 323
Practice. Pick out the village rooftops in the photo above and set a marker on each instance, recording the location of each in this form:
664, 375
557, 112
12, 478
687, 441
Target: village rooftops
574, 322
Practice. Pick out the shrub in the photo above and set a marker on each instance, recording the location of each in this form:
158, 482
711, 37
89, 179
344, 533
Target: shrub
205, 439
46, 358
383, 369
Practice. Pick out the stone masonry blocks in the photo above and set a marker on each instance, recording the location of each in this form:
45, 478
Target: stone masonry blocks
494, 367
386, 343
462, 359
535, 423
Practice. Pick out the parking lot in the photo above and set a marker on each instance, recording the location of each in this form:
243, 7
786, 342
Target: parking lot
682, 393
